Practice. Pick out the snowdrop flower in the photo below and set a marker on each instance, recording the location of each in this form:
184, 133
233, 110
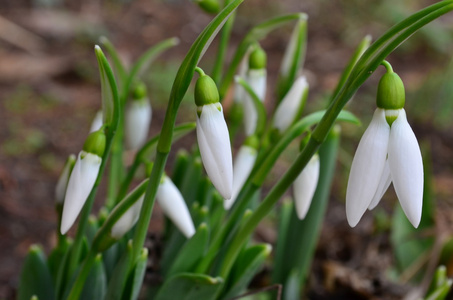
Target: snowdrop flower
138, 118
82, 178
62, 184
256, 78
128, 219
172, 204
213, 137
304, 186
243, 165
388, 152
174, 207
292, 105
97, 122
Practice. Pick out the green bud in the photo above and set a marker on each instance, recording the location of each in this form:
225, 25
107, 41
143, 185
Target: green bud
252, 141
139, 91
95, 143
390, 94
258, 59
206, 91
209, 6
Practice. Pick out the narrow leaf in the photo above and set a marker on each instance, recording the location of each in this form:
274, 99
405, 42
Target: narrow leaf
189, 286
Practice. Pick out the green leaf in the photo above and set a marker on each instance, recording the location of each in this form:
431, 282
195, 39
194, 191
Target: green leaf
135, 280
96, 282
56, 258
35, 278
412, 244
189, 286
284, 217
293, 58
257, 33
192, 251
248, 263
440, 285
117, 64
187, 69
120, 274
179, 167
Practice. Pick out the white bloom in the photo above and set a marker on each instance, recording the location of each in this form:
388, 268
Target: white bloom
174, 207
291, 105
97, 122
127, 220
243, 165
137, 122
215, 148
305, 186
256, 78
368, 179
80, 184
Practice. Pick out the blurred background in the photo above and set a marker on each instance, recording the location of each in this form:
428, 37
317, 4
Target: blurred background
50, 92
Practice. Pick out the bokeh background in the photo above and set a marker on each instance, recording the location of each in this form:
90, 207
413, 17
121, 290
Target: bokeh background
50, 92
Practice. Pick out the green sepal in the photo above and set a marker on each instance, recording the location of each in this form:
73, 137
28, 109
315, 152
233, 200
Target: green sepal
35, 278
257, 59
248, 263
209, 6
206, 91
390, 94
95, 143
190, 286
96, 283
192, 251
252, 141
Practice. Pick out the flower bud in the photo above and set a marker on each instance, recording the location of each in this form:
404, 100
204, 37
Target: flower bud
305, 186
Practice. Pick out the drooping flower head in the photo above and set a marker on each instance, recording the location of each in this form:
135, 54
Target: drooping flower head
138, 118
82, 178
213, 137
257, 79
388, 152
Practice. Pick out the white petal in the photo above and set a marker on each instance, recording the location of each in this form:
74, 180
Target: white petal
305, 186
289, 107
174, 207
137, 121
243, 165
384, 184
215, 148
80, 184
406, 167
128, 219
257, 80
367, 167
97, 122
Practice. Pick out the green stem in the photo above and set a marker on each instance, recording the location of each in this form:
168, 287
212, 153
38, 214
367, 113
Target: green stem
387, 66
223, 45
77, 288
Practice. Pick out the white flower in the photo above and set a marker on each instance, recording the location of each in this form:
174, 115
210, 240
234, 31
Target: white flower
305, 186
80, 184
381, 144
243, 165
97, 122
215, 148
291, 105
128, 219
256, 78
174, 207
137, 121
